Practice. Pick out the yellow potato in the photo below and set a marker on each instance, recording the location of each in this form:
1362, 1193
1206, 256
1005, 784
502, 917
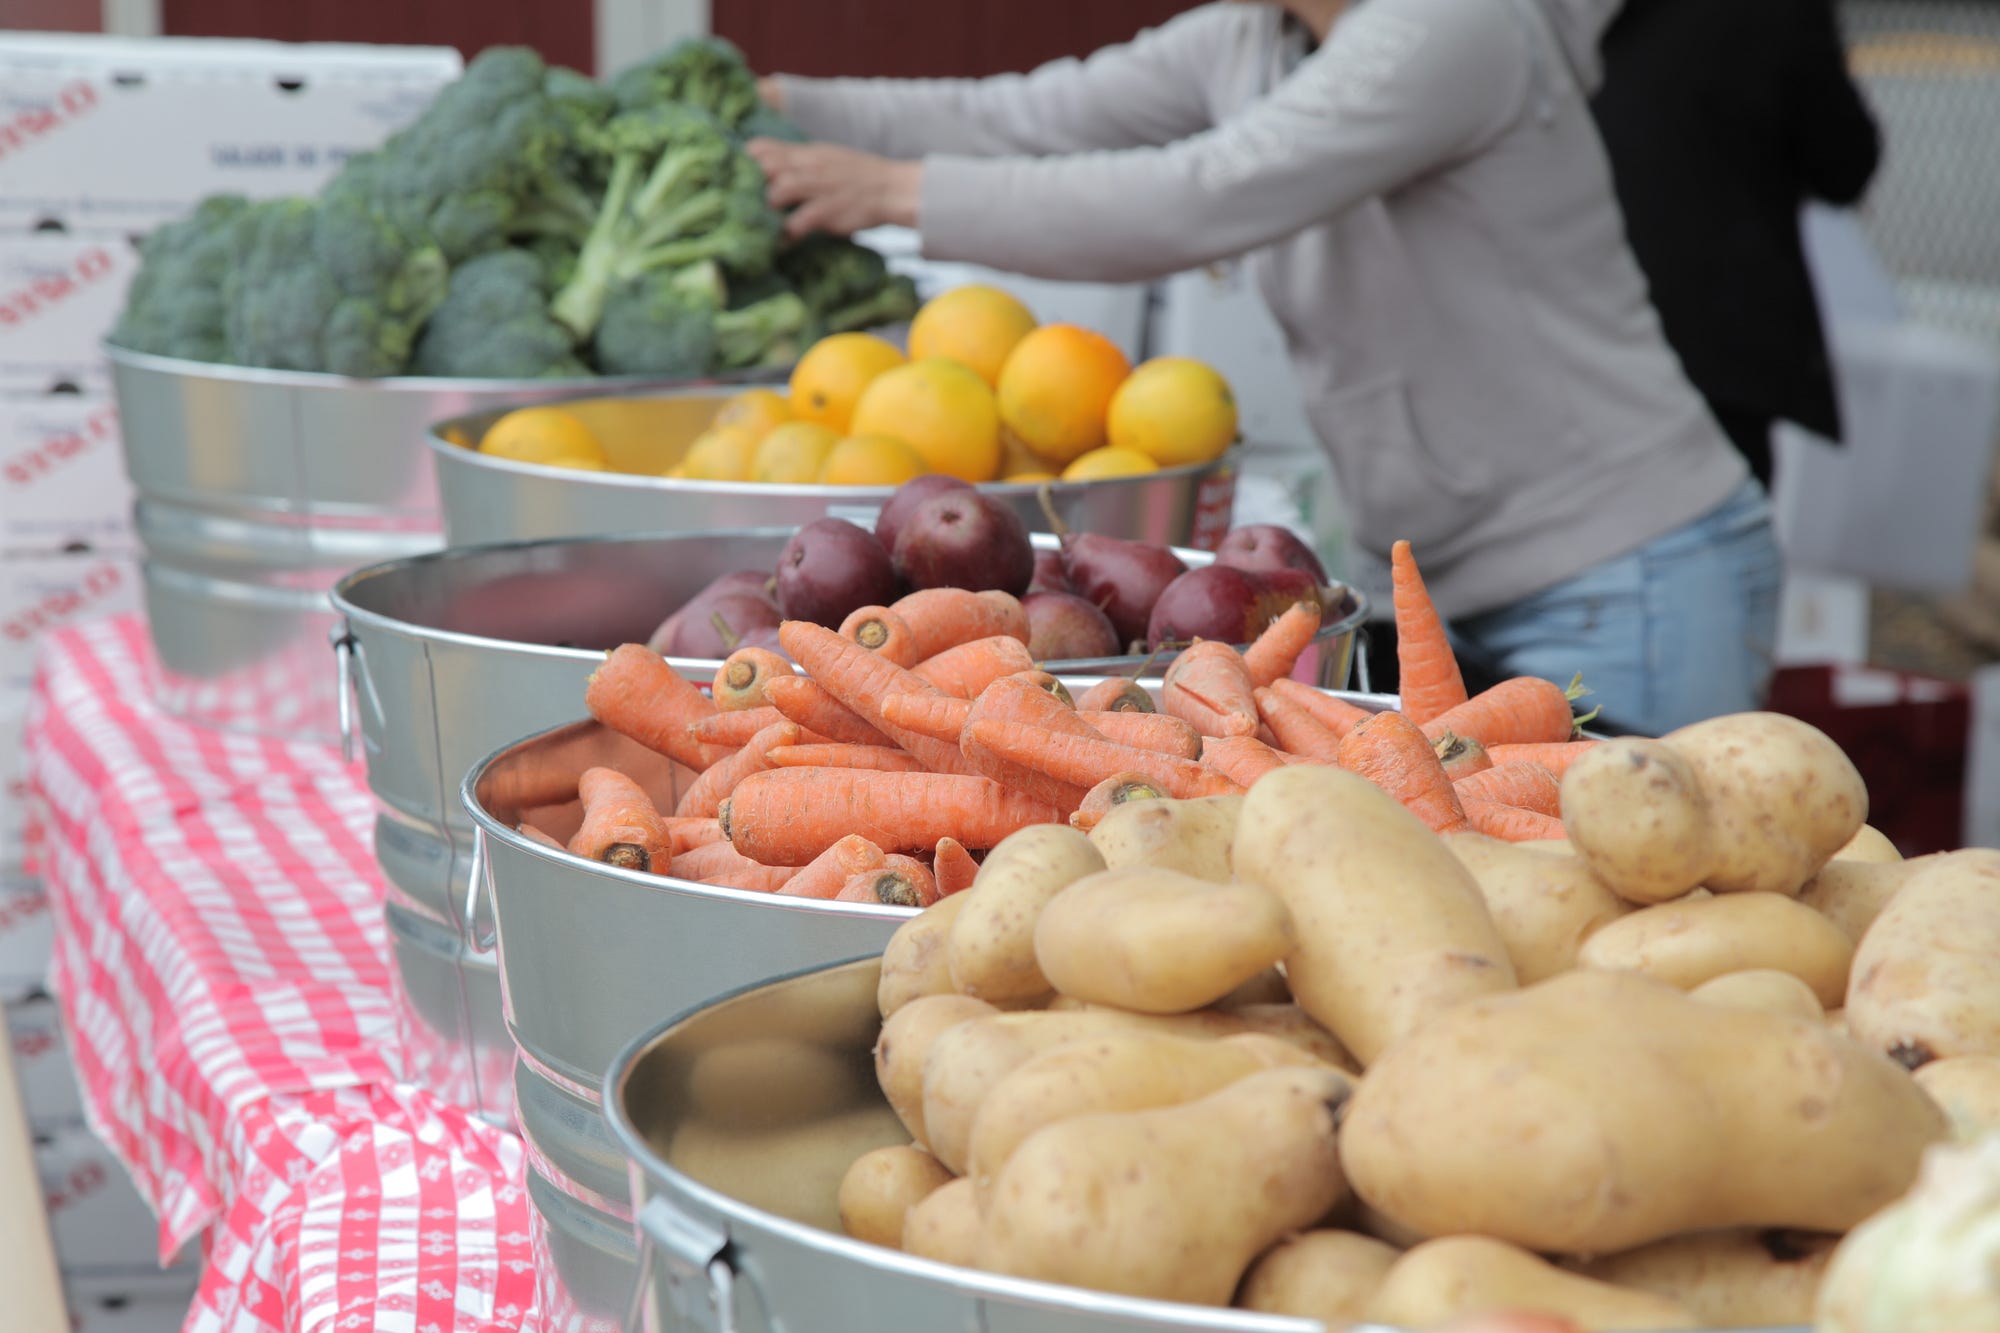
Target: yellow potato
905, 1043
1852, 893
1926, 979
1157, 941
1457, 1276
1544, 904
1173, 1203
1637, 816
1599, 1111
944, 1225
992, 948
1285, 1021
1193, 837
1325, 1275
1762, 988
1687, 943
916, 961
1968, 1088
1391, 929
881, 1187
1730, 1279
1869, 844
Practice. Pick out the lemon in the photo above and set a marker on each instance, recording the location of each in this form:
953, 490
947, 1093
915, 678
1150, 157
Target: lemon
939, 408
830, 378
759, 411
792, 454
871, 460
976, 325
1028, 478
722, 454
1175, 410
1101, 464
542, 435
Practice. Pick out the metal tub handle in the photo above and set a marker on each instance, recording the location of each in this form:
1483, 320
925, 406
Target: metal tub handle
700, 1281
343, 657
477, 892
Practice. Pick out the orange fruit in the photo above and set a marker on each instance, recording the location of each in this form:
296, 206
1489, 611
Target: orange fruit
792, 454
759, 411
1099, 464
544, 435
871, 460
976, 325
1028, 478
829, 379
722, 454
942, 410
1175, 410
1055, 389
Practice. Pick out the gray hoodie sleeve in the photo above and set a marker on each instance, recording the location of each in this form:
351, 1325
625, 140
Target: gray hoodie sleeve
1145, 91
1399, 88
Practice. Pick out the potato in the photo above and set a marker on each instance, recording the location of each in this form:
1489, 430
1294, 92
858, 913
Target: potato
1267, 987
1852, 893
1287, 1022
1457, 1276
1325, 1275
916, 961
1687, 943
1782, 798
1637, 816
991, 953
1968, 1088
1544, 904
1926, 978
1194, 837
944, 1226
1391, 929
1730, 1279
1157, 941
1172, 1203
1869, 844
905, 1043
1762, 988
881, 1187
1599, 1111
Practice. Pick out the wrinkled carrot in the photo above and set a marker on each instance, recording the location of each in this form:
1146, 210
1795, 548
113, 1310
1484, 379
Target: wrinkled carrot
882, 758
1116, 790
1147, 731
902, 881
1023, 698
970, 667
1273, 654
861, 680
942, 618
621, 825
1427, 675
704, 795
831, 869
807, 703
533, 834
1116, 694
954, 867
1461, 756
1241, 759
635, 693
1529, 786
735, 728
1086, 761
740, 680
720, 863
1511, 822
1520, 710
1391, 752
1208, 685
689, 834
787, 816
938, 716
883, 632
1335, 714
1297, 731
1555, 756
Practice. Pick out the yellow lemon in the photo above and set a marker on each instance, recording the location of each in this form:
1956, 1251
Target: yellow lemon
940, 409
1026, 478
830, 378
792, 454
1175, 410
723, 454
871, 460
541, 435
1055, 388
759, 411
975, 325
1099, 464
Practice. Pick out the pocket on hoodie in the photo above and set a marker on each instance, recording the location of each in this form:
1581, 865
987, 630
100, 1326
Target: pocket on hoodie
1400, 489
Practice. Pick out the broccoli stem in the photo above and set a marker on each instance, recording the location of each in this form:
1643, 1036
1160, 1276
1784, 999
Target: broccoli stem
580, 304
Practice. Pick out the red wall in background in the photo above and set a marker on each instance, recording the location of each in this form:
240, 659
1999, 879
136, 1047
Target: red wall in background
562, 30
53, 15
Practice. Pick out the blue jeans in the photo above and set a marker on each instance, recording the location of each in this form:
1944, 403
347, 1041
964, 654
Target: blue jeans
1676, 631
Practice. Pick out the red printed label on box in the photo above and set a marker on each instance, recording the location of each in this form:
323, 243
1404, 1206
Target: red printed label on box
59, 296
62, 475
71, 102
43, 593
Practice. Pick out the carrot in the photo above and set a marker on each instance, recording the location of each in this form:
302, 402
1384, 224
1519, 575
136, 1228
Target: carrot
740, 680
1297, 731
942, 618
733, 729
807, 703
533, 834
970, 667
704, 795
689, 834
1511, 822
829, 872
635, 693
882, 758
861, 680
787, 816
1084, 761
621, 825
1337, 715
1273, 654
954, 867
1209, 686
1023, 698
1241, 759
1555, 756
902, 881
1529, 786
1147, 731
1108, 795
1461, 756
720, 863
1391, 752
938, 716
1428, 678
880, 630
1519, 710
1116, 694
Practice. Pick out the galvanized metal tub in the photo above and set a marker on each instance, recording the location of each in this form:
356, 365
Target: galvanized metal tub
488, 499
257, 490
736, 1211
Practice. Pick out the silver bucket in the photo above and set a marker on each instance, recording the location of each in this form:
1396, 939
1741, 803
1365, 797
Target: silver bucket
737, 1215
257, 490
490, 499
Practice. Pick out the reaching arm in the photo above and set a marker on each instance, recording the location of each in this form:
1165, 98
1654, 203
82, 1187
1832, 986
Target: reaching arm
1836, 145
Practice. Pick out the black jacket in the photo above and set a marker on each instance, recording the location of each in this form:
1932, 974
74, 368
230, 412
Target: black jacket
1722, 118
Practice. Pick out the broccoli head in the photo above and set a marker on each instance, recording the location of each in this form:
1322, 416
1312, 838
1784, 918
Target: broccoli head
661, 323
847, 285
766, 324
704, 72
494, 324
764, 123
174, 306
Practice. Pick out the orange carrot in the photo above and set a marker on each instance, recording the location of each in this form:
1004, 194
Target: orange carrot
1390, 751
704, 795
635, 693
1511, 822
740, 680
1517, 711
1335, 714
942, 618
831, 869
1461, 756
621, 825
882, 758
938, 716
807, 703
734, 728
1116, 790
1084, 761
689, 834
1147, 731
970, 667
1276, 651
1529, 786
1023, 698
880, 630
1209, 686
787, 816
861, 680
902, 881
954, 867
533, 834
1428, 678
1297, 731
720, 863
1116, 694
1555, 756
1241, 759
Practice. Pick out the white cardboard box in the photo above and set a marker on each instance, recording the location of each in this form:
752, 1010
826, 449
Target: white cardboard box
139, 1302
13, 811
27, 935
1822, 621
41, 593
121, 134
98, 1221
42, 1064
60, 294
62, 475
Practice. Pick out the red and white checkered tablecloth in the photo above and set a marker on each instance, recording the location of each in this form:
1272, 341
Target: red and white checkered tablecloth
223, 970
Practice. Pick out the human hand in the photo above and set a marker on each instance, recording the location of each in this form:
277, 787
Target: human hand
772, 92
838, 190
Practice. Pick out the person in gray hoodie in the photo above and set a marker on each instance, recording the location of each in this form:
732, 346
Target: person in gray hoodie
1421, 195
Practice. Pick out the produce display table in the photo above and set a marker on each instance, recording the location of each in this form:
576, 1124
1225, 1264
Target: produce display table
222, 967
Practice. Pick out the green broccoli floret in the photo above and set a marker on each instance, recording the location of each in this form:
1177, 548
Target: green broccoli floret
661, 323
848, 285
704, 72
764, 123
174, 306
767, 325
494, 324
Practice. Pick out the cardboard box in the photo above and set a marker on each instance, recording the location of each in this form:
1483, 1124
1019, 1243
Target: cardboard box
60, 294
27, 936
13, 808
1821, 620
98, 1221
44, 592
137, 1302
120, 134
42, 1064
62, 475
